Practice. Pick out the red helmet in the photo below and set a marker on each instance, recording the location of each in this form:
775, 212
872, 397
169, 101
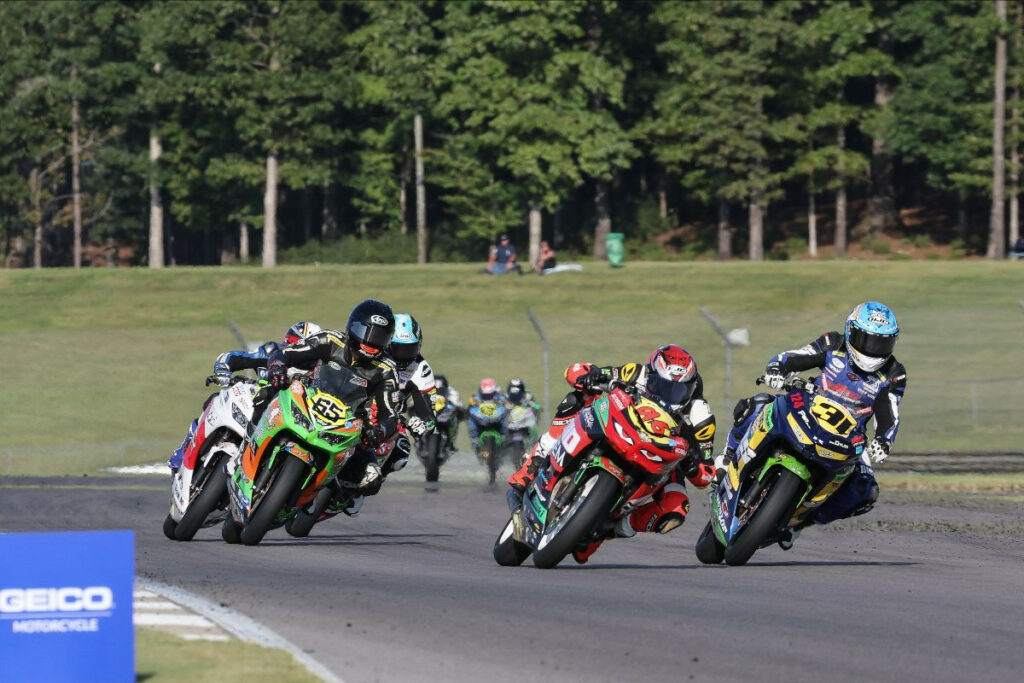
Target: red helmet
488, 387
671, 376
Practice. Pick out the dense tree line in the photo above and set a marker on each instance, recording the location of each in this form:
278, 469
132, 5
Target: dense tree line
196, 131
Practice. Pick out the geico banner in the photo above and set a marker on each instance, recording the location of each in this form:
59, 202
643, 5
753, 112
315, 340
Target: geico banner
66, 606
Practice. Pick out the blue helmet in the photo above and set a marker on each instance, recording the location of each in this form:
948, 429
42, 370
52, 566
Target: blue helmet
407, 339
871, 334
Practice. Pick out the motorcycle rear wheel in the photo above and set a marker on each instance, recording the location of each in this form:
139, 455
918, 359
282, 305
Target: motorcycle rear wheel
765, 520
435, 442
508, 552
169, 525
287, 480
489, 445
302, 523
214, 490
709, 550
588, 508
231, 532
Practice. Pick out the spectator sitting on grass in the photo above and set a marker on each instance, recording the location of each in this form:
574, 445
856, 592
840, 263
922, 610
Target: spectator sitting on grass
502, 258
1017, 252
546, 259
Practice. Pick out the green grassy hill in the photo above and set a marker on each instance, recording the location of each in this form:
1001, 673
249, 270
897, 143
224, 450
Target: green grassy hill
107, 366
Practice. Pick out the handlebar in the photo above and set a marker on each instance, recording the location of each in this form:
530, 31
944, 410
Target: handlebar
793, 381
232, 381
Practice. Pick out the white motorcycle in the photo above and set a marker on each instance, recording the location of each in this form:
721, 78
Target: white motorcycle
199, 494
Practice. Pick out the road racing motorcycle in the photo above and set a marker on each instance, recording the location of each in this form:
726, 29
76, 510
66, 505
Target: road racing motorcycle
520, 431
796, 453
490, 419
302, 440
623, 452
435, 447
199, 495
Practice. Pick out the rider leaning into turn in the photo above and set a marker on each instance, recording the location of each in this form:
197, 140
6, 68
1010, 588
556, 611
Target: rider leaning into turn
416, 382
487, 393
859, 372
669, 377
361, 347
233, 361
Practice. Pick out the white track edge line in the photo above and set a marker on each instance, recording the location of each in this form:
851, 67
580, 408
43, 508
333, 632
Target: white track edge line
238, 625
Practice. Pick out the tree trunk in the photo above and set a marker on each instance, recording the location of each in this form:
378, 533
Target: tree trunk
270, 213
76, 165
1015, 137
404, 180
156, 205
421, 192
756, 221
535, 233
812, 224
882, 202
603, 226
997, 221
841, 227
243, 242
35, 190
227, 248
307, 214
961, 215
724, 231
329, 225
662, 199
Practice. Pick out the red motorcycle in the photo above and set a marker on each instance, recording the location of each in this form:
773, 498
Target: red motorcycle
613, 458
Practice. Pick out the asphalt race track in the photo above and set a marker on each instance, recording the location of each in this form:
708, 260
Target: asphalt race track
920, 590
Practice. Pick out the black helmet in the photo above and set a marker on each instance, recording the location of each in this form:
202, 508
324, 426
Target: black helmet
441, 384
516, 390
370, 326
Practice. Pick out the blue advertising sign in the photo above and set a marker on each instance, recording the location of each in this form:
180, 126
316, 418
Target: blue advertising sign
66, 606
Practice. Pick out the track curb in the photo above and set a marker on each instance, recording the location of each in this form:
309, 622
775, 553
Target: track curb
237, 624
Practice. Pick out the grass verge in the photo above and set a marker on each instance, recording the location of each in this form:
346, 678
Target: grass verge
106, 367
959, 483
164, 657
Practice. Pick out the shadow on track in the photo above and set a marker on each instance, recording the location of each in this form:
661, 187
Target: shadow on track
823, 563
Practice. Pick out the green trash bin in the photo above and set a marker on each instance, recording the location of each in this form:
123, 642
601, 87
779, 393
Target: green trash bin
616, 250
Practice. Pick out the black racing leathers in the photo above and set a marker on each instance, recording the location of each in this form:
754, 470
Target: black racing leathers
380, 373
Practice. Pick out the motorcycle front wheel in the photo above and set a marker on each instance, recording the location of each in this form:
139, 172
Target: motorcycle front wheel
765, 520
585, 511
435, 442
489, 446
214, 489
287, 480
709, 550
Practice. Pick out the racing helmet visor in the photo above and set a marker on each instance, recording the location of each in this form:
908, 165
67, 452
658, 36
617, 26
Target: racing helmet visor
872, 345
672, 395
374, 336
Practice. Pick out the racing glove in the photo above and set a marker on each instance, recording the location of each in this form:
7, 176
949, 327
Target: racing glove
417, 426
277, 374
592, 381
219, 379
373, 436
774, 379
878, 450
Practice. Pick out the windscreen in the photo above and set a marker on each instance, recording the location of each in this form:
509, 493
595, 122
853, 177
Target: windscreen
341, 383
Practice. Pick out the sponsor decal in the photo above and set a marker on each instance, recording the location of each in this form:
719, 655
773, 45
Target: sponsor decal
378, 320
358, 381
618, 402
837, 363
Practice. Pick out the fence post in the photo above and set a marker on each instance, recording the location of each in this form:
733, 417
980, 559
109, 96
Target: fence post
974, 404
545, 352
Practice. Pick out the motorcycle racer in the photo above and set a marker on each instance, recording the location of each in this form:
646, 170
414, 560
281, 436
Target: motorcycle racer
488, 391
362, 347
416, 382
518, 395
233, 361
859, 371
669, 377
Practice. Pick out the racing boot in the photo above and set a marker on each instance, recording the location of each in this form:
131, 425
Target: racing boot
722, 461
583, 553
787, 537
660, 516
178, 456
371, 481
